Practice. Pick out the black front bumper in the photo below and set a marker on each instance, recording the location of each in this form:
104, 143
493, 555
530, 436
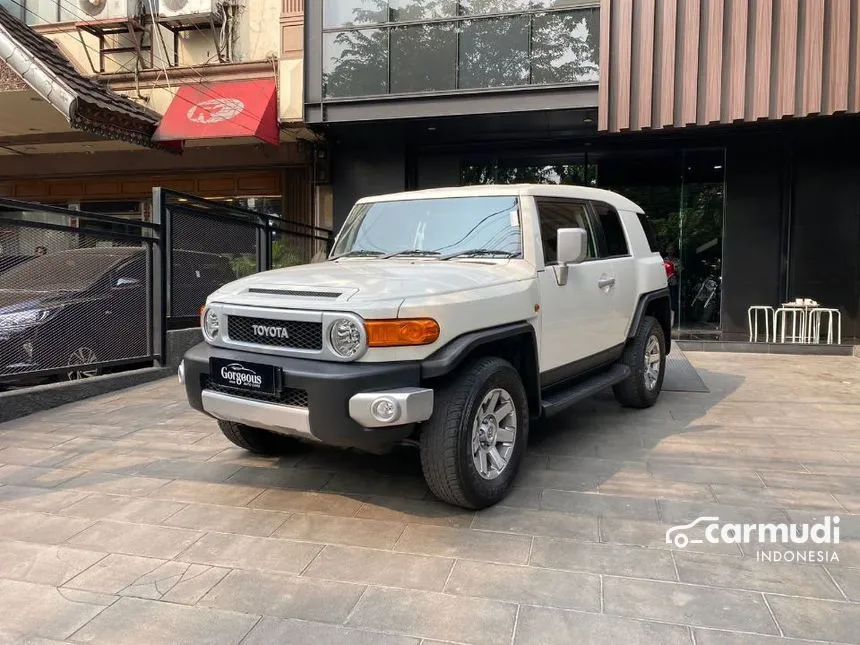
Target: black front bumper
329, 387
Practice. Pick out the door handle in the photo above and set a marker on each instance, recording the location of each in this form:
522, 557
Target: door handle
605, 282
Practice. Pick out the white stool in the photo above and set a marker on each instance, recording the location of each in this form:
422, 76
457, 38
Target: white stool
815, 317
798, 324
752, 320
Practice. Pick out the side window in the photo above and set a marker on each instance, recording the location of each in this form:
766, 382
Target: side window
555, 214
613, 230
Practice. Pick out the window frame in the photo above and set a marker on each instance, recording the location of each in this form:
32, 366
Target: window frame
601, 235
592, 234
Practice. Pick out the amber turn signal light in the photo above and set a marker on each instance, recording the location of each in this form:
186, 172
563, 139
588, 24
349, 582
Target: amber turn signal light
406, 331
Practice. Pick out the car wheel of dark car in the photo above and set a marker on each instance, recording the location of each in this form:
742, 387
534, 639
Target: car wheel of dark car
81, 359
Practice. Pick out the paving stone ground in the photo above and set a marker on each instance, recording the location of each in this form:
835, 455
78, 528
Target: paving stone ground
129, 519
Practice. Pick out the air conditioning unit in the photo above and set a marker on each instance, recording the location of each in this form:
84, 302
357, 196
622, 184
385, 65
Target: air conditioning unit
189, 10
107, 9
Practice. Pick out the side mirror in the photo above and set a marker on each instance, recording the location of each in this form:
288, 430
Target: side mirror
571, 248
122, 283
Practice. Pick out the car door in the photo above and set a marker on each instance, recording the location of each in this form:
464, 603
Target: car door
126, 315
618, 271
573, 315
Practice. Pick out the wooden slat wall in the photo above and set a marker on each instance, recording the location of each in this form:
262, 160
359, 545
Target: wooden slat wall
674, 63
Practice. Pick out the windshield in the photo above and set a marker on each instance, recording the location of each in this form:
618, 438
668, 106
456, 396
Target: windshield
444, 227
66, 270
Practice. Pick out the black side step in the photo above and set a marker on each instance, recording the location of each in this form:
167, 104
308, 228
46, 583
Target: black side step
560, 401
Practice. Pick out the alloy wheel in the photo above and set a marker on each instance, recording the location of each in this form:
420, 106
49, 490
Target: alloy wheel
494, 432
652, 362
80, 358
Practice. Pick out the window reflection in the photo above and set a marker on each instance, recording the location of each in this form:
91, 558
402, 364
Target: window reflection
564, 47
355, 63
475, 7
338, 13
494, 52
403, 10
423, 58
466, 46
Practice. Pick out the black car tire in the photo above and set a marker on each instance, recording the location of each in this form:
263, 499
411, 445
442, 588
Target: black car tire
635, 391
258, 440
446, 444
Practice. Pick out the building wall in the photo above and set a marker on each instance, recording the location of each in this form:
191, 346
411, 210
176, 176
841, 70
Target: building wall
675, 63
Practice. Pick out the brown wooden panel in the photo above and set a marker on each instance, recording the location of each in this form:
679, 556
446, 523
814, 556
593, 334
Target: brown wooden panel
854, 60
622, 79
689, 62
32, 189
644, 61
102, 188
65, 188
667, 28
711, 95
836, 61
603, 107
298, 196
216, 186
263, 184
786, 58
812, 69
759, 72
737, 14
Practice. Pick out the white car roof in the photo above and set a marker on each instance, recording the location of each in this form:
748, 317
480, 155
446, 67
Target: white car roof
538, 190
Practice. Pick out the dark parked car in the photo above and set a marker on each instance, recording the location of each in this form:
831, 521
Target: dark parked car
79, 308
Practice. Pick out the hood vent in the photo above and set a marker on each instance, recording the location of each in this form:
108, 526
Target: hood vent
296, 293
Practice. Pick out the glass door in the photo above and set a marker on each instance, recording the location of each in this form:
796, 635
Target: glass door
700, 235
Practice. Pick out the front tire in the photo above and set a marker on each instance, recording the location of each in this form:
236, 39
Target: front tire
257, 440
645, 356
472, 446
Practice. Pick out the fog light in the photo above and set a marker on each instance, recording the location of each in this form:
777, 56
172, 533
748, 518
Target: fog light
385, 410
181, 372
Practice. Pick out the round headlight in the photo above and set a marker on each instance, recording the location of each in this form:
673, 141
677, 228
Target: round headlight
211, 324
345, 337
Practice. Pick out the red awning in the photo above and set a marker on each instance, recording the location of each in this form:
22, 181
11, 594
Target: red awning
219, 110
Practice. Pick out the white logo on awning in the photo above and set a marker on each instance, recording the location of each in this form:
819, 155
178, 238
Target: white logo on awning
215, 110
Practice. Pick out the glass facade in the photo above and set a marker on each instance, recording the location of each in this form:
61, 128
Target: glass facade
379, 47
682, 193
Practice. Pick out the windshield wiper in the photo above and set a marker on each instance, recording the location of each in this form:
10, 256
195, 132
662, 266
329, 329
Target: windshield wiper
478, 252
357, 253
415, 252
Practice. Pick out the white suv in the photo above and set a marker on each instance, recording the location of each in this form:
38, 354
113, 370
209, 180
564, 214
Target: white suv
451, 317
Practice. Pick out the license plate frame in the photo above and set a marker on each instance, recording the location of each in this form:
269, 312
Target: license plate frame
245, 376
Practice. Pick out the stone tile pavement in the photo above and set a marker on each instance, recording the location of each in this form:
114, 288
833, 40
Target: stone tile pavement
130, 519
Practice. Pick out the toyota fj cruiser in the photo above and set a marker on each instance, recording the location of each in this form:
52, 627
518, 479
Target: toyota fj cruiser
454, 318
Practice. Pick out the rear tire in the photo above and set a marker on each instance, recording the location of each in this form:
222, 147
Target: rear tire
472, 446
642, 387
257, 440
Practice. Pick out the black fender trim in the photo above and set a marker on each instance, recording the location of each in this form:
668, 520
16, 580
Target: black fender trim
446, 359
644, 300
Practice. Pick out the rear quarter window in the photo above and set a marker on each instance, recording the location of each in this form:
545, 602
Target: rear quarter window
650, 234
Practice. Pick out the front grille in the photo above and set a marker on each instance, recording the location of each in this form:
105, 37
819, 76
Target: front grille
300, 335
288, 396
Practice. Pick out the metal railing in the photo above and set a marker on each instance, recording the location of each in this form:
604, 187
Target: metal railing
84, 293
76, 292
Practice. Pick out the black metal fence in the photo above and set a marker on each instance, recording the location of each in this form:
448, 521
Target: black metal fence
84, 293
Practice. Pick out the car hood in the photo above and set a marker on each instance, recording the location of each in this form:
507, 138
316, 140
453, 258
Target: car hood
352, 283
